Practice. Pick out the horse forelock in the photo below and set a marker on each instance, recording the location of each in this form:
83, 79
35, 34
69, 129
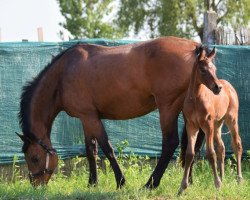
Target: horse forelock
26, 100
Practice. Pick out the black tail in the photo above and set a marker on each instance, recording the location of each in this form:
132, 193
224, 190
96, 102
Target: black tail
184, 143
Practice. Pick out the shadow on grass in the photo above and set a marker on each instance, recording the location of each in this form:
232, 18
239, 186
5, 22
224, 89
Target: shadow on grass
90, 195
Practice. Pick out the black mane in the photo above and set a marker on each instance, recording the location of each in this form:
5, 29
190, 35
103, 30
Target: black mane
27, 93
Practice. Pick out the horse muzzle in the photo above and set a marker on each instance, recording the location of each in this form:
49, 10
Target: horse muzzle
217, 88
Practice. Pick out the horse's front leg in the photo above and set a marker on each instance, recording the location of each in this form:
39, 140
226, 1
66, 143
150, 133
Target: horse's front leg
91, 152
94, 127
208, 128
170, 141
192, 133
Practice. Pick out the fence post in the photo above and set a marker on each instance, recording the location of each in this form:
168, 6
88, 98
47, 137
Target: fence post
210, 24
40, 34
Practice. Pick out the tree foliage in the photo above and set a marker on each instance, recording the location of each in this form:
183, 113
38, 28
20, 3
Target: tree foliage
180, 18
88, 18
152, 18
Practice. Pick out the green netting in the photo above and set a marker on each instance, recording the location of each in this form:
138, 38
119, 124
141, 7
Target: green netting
21, 61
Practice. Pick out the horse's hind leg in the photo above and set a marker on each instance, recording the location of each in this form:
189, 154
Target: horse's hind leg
220, 149
192, 133
198, 144
94, 127
232, 124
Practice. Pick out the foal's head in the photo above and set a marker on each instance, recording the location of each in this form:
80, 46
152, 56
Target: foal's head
206, 71
41, 159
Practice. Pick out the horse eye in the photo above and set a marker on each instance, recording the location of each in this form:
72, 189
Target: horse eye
202, 70
34, 159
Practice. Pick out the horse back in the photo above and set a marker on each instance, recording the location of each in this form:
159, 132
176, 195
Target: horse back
122, 82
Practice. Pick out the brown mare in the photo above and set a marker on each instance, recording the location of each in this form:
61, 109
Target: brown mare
208, 103
93, 82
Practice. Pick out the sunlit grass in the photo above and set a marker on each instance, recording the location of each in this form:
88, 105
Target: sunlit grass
136, 173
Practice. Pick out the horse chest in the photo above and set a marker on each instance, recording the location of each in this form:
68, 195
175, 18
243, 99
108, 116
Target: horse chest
198, 109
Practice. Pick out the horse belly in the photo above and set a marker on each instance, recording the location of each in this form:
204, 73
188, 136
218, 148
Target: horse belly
127, 106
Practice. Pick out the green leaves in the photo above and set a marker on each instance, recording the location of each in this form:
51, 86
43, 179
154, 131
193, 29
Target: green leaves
180, 18
151, 18
89, 19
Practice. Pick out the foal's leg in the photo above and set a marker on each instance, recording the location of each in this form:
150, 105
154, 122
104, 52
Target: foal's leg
198, 144
211, 155
184, 142
94, 127
192, 133
236, 144
220, 149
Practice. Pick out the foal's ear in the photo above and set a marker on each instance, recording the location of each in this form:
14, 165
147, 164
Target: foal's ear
212, 54
202, 54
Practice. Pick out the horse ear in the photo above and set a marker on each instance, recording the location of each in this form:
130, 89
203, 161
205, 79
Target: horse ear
23, 138
212, 53
202, 54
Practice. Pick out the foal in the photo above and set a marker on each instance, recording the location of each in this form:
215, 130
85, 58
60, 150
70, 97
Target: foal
208, 103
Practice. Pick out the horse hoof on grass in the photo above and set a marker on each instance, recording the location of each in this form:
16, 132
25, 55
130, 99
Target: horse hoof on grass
180, 192
218, 184
121, 184
240, 180
92, 185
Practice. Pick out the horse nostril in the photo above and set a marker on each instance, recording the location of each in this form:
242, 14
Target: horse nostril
218, 87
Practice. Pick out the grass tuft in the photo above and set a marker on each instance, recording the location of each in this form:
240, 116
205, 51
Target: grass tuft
137, 170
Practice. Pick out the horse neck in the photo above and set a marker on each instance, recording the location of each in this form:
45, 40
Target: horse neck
193, 84
45, 104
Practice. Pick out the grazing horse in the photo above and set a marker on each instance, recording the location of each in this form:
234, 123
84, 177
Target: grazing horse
92, 82
208, 103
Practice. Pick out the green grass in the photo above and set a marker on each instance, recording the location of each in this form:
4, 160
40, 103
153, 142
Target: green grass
137, 171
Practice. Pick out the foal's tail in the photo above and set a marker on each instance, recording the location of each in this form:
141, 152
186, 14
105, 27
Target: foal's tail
184, 143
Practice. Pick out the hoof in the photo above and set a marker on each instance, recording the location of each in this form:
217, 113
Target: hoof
180, 192
92, 185
184, 185
218, 184
121, 183
239, 180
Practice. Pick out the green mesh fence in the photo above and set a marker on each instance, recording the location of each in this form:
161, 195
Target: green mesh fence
19, 62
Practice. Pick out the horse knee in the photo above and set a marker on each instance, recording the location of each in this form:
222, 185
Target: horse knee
237, 146
211, 156
220, 150
189, 157
91, 148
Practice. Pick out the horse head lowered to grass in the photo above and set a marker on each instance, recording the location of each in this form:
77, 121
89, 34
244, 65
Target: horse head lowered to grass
92, 82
